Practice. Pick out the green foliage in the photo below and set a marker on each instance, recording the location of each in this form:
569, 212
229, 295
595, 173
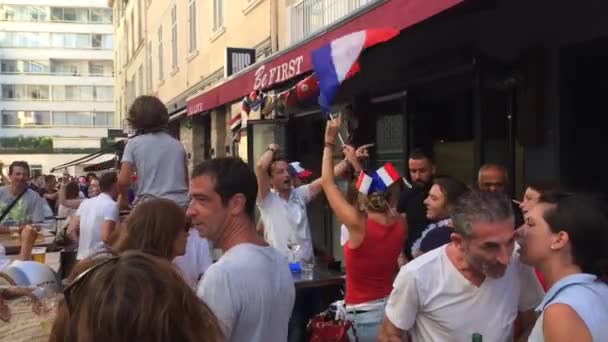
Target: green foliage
21, 142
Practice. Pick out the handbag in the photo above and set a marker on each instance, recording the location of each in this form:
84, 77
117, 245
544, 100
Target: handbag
324, 328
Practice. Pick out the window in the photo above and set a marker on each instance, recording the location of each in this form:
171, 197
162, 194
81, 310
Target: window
127, 42
149, 68
96, 69
174, 37
22, 13
96, 41
56, 14
107, 42
140, 81
161, 75
140, 15
17, 118
77, 119
25, 92
103, 93
192, 25
9, 66
103, 119
69, 14
132, 48
218, 14
101, 15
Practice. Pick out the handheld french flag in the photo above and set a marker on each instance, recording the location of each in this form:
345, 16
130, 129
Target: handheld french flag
339, 60
364, 183
295, 169
384, 177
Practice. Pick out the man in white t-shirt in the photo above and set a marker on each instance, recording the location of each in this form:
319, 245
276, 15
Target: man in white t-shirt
250, 288
96, 218
196, 260
476, 284
283, 211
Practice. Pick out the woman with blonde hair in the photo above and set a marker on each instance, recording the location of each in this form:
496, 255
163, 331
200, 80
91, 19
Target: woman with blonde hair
375, 240
131, 297
160, 227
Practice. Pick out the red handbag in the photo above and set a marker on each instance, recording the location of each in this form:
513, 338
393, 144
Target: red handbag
324, 329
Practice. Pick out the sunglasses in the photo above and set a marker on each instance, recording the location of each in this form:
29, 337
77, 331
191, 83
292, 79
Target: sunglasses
81, 279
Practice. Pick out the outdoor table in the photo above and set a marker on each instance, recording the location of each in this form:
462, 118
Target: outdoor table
12, 244
312, 297
322, 277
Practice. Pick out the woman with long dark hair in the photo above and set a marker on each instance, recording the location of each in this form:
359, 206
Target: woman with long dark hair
566, 237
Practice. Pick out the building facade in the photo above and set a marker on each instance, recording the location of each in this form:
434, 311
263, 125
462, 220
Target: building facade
201, 57
56, 81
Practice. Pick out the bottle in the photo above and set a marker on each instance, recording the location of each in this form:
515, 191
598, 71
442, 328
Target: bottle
476, 337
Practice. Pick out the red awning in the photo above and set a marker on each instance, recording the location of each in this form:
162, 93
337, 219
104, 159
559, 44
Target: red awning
298, 60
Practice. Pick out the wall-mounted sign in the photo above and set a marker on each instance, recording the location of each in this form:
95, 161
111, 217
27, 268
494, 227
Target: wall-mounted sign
238, 59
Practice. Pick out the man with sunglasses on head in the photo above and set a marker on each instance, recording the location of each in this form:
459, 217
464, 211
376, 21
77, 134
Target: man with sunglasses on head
96, 218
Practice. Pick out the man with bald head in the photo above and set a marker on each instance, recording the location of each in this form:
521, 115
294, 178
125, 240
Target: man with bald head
495, 178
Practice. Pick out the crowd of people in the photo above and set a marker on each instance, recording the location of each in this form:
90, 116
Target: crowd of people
429, 259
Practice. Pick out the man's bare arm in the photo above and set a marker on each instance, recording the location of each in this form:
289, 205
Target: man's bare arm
261, 171
389, 332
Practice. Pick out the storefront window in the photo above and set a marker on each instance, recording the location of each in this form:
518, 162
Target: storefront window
263, 134
390, 135
442, 121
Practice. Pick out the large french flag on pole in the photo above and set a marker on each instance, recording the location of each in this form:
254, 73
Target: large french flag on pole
339, 60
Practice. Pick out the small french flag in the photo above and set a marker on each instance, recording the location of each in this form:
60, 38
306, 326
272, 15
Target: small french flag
364, 183
339, 60
388, 174
295, 169
235, 123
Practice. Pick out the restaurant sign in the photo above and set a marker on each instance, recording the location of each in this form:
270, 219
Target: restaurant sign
267, 77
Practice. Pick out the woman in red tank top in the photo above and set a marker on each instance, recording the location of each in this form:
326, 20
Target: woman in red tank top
376, 237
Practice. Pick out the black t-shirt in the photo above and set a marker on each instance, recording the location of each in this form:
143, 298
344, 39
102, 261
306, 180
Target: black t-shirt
411, 202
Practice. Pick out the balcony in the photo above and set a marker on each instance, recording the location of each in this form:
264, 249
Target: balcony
308, 17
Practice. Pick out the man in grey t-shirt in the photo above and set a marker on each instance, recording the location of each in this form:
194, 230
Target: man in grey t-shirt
30, 207
250, 289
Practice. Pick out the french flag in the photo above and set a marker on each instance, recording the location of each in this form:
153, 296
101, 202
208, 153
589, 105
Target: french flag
339, 60
364, 183
385, 176
295, 169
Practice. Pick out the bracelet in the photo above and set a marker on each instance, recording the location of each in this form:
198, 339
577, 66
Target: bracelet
330, 145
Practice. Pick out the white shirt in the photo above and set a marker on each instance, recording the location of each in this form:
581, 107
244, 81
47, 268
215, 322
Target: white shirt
93, 212
435, 302
251, 292
196, 260
286, 222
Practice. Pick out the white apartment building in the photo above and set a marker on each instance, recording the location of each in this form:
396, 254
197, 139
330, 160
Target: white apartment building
56, 72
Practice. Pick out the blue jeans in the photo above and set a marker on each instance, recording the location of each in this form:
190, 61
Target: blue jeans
367, 324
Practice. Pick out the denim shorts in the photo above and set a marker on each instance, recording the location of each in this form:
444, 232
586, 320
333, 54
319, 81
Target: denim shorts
366, 323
